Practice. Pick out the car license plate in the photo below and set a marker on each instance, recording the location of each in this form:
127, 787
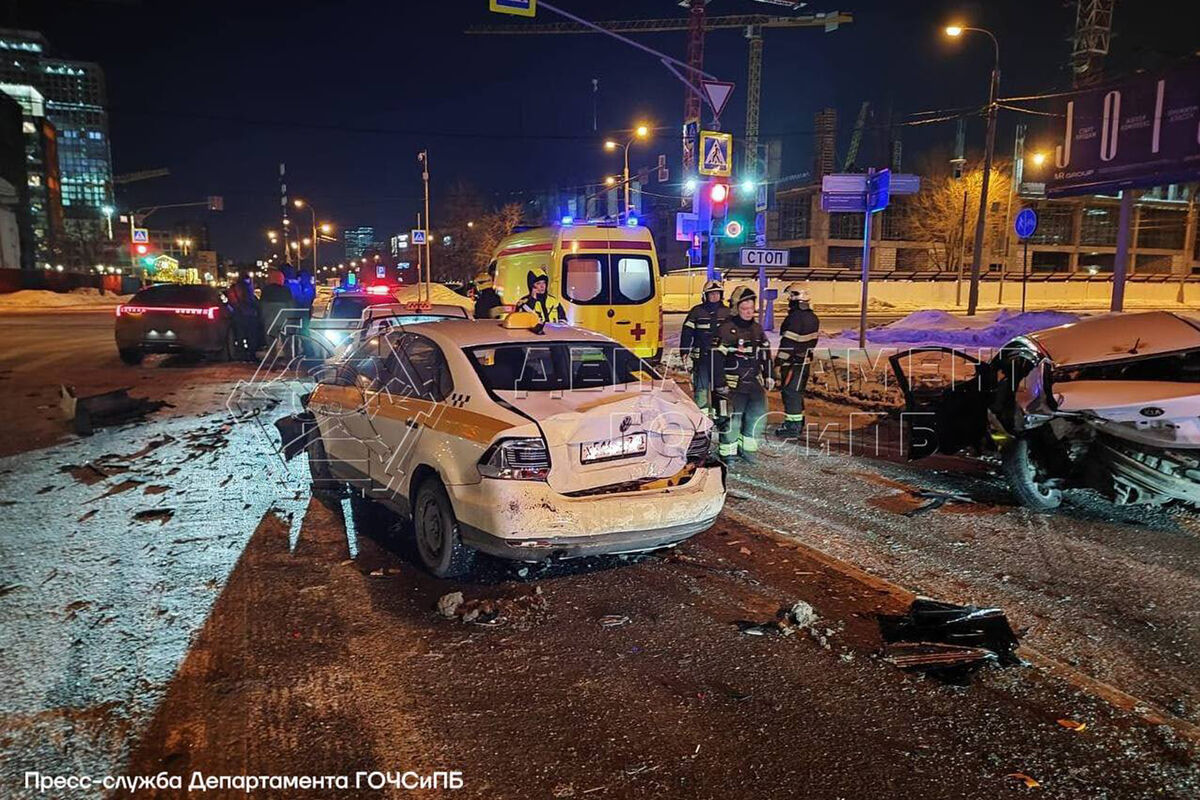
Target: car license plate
633, 444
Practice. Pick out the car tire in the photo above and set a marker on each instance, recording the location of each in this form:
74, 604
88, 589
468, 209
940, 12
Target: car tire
131, 355
1020, 469
323, 482
439, 543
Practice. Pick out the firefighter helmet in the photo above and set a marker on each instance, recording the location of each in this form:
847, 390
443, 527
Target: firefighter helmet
798, 291
713, 286
740, 295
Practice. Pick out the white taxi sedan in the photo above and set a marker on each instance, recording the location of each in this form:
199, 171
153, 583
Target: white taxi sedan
519, 440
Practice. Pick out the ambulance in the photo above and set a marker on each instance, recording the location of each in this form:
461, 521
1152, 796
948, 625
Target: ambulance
605, 275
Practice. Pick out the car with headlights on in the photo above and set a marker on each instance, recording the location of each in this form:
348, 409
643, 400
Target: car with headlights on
513, 438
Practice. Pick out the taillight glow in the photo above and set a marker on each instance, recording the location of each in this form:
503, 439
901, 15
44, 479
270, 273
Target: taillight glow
209, 312
377, 290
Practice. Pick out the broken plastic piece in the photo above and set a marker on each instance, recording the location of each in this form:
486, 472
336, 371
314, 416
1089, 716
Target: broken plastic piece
108, 408
953, 640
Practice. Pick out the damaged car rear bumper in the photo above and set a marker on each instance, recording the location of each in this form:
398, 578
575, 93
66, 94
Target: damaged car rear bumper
527, 520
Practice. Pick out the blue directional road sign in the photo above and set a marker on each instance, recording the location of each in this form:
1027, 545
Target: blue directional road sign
879, 187
1026, 223
838, 202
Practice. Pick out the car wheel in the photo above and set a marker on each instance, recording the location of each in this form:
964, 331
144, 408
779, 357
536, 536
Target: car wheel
1020, 468
131, 355
438, 541
323, 482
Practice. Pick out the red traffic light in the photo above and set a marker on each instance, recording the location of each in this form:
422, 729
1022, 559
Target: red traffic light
718, 192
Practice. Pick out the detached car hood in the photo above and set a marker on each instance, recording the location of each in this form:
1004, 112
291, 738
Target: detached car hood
569, 420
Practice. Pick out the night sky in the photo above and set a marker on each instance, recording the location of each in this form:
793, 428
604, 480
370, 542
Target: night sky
347, 92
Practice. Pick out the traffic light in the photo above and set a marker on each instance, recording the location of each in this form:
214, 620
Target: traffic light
734, 229
718, 198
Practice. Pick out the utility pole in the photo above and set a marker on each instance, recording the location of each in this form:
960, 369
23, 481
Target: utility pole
981, 222
423, 157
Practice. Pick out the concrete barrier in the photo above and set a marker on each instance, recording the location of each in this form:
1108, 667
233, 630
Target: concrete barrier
681, 290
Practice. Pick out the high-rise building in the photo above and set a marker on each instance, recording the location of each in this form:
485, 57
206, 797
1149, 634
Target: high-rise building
70, 96
357, 241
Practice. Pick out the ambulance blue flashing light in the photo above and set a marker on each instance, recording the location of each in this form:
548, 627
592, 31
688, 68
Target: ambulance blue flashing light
632, 222
568, 220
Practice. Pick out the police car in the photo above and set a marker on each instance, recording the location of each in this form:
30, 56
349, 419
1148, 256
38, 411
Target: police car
511, 438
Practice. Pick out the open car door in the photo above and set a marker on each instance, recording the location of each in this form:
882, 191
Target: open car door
946, 393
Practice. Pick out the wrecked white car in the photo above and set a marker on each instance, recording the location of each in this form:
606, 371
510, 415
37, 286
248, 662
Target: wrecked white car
512, 438
1111, 403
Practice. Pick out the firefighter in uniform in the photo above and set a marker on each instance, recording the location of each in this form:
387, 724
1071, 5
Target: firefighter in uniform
539, 300
697, 338
743, 353
798, 337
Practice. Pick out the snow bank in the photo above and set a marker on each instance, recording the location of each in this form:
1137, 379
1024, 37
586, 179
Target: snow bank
42, 298
992, 329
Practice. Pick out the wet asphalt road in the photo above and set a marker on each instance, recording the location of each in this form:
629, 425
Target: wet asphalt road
173, 599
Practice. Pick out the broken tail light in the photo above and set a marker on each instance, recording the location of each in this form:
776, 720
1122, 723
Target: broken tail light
524, 459
698, 449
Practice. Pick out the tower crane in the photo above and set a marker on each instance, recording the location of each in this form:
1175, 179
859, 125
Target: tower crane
695, 24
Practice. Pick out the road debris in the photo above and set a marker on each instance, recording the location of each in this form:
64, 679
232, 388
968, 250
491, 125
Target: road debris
447, 604
802, 614
935, 499
1073, 725
1028, 781
160, 515
614, 620
107, 408
492, 612
947, 640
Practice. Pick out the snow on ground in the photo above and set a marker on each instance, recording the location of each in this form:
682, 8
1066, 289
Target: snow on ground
42, 298
991, 329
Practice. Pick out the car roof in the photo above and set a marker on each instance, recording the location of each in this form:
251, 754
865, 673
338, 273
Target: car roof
472, 333
1117, 337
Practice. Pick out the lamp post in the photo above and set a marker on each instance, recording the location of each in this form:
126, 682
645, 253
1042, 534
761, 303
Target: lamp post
300, 203
423, 157
640, 132
108, 212
955, 31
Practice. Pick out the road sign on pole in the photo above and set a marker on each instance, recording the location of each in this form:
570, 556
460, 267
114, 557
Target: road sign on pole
521, 8
758, 257
418, 236
141, 236
717, 93
1026, 223
716, 153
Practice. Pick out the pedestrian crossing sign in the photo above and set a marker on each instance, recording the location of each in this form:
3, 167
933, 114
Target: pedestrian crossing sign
716, 153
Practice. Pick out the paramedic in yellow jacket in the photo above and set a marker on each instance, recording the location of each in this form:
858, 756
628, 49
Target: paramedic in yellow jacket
540, 301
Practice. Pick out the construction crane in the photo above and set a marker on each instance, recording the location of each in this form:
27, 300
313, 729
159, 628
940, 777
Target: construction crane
1093, 31
695, 24
856, 138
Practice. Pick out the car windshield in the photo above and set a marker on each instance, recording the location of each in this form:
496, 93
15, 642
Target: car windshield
350, 306
556, 366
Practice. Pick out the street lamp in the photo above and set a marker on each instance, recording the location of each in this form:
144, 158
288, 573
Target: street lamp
955, 31
108, 212
1038, 159
299, 203
640, 132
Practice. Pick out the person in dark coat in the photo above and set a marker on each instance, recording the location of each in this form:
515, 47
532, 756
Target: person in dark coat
487, 299
743, 354
798, 337
275, 301
696, 338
